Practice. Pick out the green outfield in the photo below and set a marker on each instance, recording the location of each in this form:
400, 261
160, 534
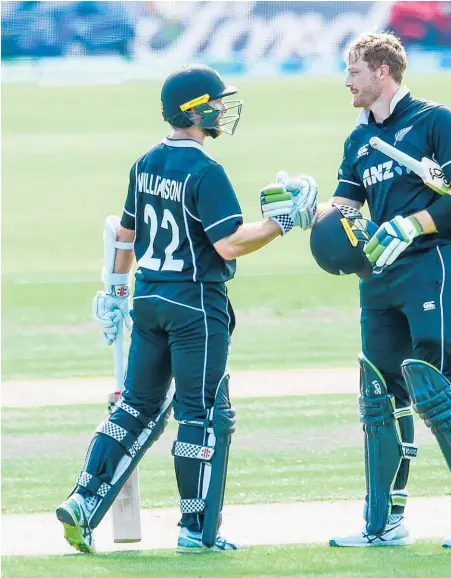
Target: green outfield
420, 561
66, 157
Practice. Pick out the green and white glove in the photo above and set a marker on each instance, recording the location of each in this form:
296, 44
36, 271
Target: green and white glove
391, 239
305, 198
277, 204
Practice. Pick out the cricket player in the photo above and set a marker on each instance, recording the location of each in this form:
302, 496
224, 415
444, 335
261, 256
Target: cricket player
183, 223
406, 302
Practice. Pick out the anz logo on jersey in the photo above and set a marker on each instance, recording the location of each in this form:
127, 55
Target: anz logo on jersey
382, 172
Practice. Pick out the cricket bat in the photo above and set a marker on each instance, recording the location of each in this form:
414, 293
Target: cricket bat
126, 507
428, 170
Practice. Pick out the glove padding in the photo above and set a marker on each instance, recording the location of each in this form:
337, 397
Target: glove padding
302, 207
277, 204
391, 239
305, 197
108, 312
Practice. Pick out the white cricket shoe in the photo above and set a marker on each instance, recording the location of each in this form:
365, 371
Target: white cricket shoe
191, 542
73, 514
394, 534
447, 543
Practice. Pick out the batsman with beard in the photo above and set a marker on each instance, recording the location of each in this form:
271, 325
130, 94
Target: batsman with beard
406, 301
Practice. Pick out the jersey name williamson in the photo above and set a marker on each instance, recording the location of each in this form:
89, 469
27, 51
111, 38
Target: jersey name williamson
157, 185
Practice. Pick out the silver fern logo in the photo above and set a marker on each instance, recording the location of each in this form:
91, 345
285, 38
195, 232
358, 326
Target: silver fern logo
402, 133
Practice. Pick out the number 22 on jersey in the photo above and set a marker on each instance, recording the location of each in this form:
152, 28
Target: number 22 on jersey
148, 260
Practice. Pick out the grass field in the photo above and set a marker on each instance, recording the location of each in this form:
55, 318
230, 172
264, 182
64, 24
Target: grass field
66, 157
420, 561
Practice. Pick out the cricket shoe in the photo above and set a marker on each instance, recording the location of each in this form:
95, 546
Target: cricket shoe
394, 534
447, 543
73, 514
191, 542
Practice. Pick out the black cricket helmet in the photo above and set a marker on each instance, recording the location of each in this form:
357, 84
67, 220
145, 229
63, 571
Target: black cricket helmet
192, 87
337, 241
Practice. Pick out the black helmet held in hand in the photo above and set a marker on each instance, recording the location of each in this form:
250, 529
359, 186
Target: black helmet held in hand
337, 241
185, 98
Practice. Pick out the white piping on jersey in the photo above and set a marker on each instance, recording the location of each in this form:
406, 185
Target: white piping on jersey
350, 182
192, 216
206, 343
185, 220
186, 143
222, 220
136, 187
365, 113
169, 301
445, 165
128, 213
442, 325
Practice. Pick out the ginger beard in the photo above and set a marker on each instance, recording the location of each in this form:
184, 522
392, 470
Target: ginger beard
366, 96
364, 84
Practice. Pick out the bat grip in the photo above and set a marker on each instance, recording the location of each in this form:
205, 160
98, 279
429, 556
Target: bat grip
119, 362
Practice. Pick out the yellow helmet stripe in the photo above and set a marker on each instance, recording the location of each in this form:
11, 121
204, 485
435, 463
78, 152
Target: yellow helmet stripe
196, 101
351, 236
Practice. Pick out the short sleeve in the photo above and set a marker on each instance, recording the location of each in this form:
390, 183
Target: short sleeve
349, 184
217, 205
441, 139
128, 215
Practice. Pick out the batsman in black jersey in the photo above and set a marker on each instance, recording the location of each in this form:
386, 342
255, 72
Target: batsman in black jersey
186, 225
406, 302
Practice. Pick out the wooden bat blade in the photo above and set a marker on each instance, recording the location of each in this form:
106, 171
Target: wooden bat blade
127, 512
126, 508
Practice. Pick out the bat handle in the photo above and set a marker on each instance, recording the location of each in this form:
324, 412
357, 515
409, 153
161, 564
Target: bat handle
119, 361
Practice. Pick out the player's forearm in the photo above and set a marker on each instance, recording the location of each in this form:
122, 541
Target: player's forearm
124, 258
426, 222
249, 237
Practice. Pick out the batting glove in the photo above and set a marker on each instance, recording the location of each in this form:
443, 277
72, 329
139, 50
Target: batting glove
110, 310
277, 204
305, 197
391, 239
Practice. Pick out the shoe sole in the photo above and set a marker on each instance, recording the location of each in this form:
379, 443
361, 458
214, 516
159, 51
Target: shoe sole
72, 531
194, 550
204, 549
388, 543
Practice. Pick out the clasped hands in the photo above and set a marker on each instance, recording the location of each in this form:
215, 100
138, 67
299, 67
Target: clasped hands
290, 201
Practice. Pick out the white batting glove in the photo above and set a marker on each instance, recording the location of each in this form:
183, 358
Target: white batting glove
277, 204
305, 199
109, 311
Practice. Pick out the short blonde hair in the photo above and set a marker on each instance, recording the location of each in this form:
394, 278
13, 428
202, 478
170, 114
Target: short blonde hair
377, 49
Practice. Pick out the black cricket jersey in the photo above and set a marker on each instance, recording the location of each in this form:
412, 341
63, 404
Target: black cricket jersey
180, 201
420, 129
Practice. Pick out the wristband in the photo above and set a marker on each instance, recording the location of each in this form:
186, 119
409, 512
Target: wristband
285, 223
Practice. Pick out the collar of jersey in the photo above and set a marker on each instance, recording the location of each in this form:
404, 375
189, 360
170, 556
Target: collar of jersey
364, 116
184, 143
